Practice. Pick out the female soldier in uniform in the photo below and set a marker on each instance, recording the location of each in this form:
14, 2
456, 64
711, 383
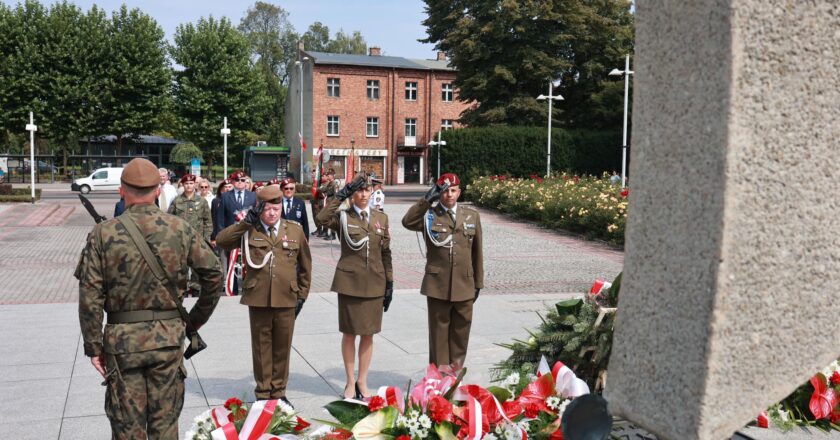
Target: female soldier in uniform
363, 276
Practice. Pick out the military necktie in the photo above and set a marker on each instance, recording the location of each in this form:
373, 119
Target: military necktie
364, 217
239, 197
451, 214
288, 206
272, 233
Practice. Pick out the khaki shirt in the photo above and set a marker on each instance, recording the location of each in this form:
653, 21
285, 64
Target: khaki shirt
283, 280
114, 277
360, 273
195, 211
451, 274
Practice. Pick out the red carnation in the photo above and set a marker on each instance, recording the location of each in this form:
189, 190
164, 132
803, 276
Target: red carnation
301, 424
625, 192
835, 378
403, 437
376, 403
532, 411
233, 401
762, 421
339, 434
440, 409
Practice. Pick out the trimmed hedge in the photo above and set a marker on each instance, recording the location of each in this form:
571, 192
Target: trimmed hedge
521, 151
19, 194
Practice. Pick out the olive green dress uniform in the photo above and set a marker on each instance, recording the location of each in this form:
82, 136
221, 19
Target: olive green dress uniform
360, 275
452, 275
143, 359
271, 294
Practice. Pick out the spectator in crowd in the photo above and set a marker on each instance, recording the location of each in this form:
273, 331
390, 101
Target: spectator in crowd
167, 191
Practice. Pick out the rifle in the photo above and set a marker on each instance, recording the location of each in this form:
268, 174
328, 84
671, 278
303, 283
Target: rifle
91, 210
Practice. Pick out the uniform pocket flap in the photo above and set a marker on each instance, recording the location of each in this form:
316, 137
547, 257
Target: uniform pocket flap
437, 227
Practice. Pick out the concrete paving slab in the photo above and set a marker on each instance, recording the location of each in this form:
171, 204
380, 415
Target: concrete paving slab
16, 400
24, 372
85, 428
33, 430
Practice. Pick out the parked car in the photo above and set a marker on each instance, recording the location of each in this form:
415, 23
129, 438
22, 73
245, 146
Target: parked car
43, 167
103, 179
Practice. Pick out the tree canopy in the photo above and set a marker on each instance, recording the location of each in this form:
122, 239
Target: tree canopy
507, 51
183, 153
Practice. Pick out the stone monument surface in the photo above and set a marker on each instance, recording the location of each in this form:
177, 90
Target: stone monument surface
733, 238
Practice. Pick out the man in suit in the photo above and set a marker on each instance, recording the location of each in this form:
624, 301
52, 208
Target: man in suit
454, 267
235, 203
233, 207
293, 207
275, 287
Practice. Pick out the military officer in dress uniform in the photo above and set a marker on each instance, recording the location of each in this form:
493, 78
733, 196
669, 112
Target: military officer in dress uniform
454, 267
193, 208
140, 352
328, 189
277, 278
363, 278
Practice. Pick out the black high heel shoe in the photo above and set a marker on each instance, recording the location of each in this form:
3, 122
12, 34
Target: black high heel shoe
359, 395
343, 396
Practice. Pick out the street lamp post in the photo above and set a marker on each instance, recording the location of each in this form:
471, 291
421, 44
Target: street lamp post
353, 155
300, 126
32, 128
626, 73
439, 144
225, 132
550, 98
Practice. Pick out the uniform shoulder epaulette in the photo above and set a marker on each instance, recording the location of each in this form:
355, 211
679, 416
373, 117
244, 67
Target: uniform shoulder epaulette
469, 208
294, 222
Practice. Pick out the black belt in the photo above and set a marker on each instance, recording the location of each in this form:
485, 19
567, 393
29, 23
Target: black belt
141, 316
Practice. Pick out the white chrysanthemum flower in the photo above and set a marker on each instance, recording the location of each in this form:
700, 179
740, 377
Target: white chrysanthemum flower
562, 408
512, 379
425, 421
553, 402
490, 436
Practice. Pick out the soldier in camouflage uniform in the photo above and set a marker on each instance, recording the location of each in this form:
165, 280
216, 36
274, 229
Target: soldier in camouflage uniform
194, 209
140, 352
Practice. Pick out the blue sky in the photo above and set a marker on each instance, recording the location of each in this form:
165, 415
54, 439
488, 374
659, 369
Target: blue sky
392, 25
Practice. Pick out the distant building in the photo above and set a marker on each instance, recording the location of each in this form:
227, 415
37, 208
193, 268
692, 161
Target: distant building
384, 108
102, 151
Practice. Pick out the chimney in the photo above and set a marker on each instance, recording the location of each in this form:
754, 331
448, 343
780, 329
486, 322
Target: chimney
375, 51
441, 55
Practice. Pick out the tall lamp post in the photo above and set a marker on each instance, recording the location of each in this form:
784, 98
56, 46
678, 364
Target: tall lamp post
626, 73
32, 128
225, 131
300, 126
439, 144
550, 98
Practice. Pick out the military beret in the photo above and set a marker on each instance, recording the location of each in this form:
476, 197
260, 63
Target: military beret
238, 174
274, 181
271, 194
188, 178
259, 184
286, 181
140, 173
452, 178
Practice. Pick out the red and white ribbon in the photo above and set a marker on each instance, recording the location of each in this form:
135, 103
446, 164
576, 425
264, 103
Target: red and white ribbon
566, 383
599, 286
231, 271
476, 431
393, 397
258, 419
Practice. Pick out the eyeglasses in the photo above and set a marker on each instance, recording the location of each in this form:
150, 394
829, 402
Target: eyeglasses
288, 188
241, 180
204, 187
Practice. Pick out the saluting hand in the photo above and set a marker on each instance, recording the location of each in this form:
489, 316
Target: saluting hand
350, 188
435, 191
253, 216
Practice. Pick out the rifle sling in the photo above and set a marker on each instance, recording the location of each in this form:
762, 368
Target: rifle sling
154, 265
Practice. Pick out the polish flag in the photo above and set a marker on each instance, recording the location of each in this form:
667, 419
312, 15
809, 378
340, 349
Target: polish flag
302, 142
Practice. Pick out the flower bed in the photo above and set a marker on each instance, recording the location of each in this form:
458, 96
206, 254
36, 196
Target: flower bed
588, 205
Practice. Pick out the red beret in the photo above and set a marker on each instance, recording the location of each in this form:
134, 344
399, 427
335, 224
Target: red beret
238, 174
274, 181
286, 181
451, 178
188, 178
259, 184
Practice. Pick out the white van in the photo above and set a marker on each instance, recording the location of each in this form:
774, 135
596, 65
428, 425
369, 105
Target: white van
103, 179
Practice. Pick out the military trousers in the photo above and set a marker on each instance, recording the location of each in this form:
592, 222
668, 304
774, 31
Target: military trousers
449, 330
271, 346
145, 393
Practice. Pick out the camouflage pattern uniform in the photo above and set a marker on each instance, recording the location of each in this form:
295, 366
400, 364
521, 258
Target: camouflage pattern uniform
196, 212
143, 360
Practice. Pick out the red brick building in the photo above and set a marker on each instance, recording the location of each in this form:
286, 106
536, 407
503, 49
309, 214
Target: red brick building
383, 110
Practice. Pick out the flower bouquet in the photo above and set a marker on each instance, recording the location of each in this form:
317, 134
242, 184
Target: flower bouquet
440, 407
814, 404
264, 420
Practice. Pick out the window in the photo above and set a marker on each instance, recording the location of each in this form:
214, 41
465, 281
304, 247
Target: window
101, 175
446, 93
411, 91
333, 87
410, 127
373, 89
332, 125
446, 124
372, 127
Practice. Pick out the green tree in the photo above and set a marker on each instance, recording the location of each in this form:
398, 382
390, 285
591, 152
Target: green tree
183, 153
273, 46
576, 41
347, 43
217, 80
137, 75
316, 38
